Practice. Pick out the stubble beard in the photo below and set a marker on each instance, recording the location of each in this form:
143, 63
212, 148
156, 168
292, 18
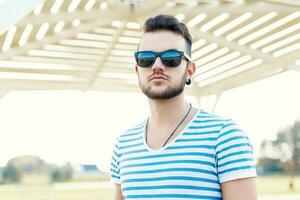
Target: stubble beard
165, 94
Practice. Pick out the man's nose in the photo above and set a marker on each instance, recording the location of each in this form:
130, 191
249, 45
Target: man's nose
158, 65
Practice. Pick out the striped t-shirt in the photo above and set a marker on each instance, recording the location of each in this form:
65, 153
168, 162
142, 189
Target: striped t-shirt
209, 151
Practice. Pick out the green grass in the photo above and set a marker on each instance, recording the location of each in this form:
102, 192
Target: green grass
46, 192
277, 185
266, 185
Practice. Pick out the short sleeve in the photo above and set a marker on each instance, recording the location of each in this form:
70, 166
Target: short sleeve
234, 154
114, 166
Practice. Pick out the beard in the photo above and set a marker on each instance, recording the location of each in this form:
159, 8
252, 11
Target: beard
168, 93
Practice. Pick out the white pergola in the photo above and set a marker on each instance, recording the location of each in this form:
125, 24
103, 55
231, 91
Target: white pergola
89, 44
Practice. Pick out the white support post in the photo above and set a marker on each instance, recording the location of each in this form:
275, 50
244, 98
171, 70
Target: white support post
3, 93
198, 101
218, 95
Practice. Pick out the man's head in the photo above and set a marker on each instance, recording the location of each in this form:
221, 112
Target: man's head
171, 24
164, 78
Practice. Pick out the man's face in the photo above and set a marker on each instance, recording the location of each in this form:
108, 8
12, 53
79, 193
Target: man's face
159, 81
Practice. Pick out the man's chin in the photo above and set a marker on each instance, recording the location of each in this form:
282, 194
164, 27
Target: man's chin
162, 94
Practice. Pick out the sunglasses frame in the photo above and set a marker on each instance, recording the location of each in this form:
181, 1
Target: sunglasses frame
159, 54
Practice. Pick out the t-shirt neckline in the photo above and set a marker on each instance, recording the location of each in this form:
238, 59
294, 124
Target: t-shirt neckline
173, 140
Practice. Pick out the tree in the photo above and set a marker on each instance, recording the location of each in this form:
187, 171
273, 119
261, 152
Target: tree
28, 164
17, 167
11, 174
287, 144
63, 173
267, 165
287, 148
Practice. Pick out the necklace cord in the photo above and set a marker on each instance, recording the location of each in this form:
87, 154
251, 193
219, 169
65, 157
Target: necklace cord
170, 136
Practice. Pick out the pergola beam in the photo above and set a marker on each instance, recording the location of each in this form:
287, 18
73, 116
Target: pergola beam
51, 39
232, 45
58, 61
117, 70
256, 7
73, 72
20, 84
98, 74
102, 83
259, 72
240, 79
65, 16
147, 7
55, 38
107, 52
285, 2
114, 88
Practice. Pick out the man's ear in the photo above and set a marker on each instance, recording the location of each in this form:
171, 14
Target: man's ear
191, 69
136, 68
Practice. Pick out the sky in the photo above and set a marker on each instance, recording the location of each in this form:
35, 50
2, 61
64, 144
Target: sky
81, 127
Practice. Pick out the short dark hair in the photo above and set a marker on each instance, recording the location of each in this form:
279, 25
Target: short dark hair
169, 23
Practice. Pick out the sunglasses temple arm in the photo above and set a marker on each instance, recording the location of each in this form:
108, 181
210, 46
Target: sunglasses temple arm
188, 57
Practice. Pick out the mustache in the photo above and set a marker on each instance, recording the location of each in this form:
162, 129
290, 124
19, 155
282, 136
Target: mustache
157, 74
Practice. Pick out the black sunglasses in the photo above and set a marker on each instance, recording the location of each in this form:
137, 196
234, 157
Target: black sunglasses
169, 58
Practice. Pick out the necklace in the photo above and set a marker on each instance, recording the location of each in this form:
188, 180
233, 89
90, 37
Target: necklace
170, 136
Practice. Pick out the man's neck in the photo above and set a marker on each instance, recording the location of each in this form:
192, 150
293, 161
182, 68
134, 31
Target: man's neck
165, 112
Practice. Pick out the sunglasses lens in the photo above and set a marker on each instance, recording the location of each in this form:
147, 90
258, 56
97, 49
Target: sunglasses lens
145, 59
171, 58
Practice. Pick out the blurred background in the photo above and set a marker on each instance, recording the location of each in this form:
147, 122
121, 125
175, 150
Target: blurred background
68, 88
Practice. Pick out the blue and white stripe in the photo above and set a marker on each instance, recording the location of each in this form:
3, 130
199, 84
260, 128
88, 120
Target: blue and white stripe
211, 150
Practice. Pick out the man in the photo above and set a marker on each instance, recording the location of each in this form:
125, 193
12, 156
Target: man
179, 152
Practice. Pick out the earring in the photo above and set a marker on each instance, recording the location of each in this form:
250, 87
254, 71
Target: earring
188, 81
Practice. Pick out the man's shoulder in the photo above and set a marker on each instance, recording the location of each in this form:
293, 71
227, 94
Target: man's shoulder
204, 116
134, 130
205, 121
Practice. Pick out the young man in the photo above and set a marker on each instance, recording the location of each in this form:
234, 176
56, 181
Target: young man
179, 152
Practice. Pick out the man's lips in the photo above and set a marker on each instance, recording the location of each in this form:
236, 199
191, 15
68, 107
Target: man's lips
157, 77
